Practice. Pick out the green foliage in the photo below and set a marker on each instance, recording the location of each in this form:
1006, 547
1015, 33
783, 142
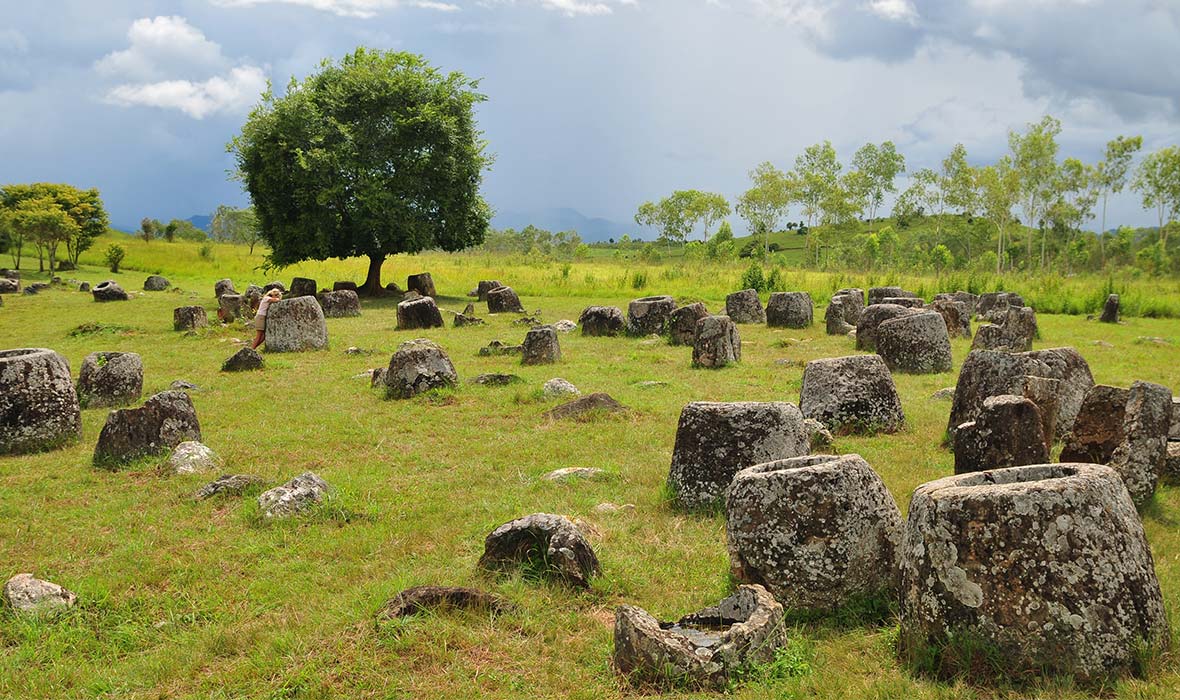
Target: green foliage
376, 155
83, 207
677, 215
114, 256
206, 252
753, 278
639, 280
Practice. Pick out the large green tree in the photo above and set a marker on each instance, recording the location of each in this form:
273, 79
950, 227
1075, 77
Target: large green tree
376, 155
880, 165
1112, 173
1034, 156
767, 202
1157, 180
677, 215
84, 207
43, 221
817, 172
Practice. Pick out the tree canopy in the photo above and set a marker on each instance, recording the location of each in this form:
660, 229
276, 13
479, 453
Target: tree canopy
88, 218
376, 155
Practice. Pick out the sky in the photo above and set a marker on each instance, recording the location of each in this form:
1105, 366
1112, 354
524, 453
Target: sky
596, 105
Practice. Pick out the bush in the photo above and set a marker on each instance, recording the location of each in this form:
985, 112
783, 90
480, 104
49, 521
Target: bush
114, 256
753, 278
206, 251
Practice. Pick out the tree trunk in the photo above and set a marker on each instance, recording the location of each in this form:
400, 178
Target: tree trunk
372, 286
1102, 234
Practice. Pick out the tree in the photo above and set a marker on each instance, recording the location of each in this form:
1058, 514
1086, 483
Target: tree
236, 225
881, 165
817, 171
1034, 156
998, 189
147, 229
114, 256
83, 206
43, 221
767, 202
1112, 176
677, 215
376, 155
1075, 193
1157, 180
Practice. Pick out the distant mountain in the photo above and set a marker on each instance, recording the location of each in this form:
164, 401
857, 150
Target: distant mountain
201, 221
565, 219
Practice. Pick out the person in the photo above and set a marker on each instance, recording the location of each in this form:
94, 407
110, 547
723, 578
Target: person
260, 318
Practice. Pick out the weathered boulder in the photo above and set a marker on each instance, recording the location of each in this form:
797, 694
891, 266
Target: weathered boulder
269, 286
540, 347
990, 373
916, 343
852, 394
244, 360
716, 440
39, 407
84, 287
295, 325
566, 474
192, 457
109, 379
956, 316
156, 283
745, 307
835, 318
601, 321
498, 348
28, 595
420, 312
993, 305
345, 286
1046, 394
877, 295
465, 320
818, 532
558, 387
580, 408
682, 324
230, 307
422, 283
908, 302
717, 343
1174, 431
252, 298
1110, 310
187, 318
1006, 433
1044, 568
497, 379
564, 325
503, 300
163, 422
223, 286
819, 437
649, 315
549, 545
418, 365
109, 291
339, 304
871, 318
9, 285
303, 287
789, 310
294, 497
1098, 429
1171, 474
485, 286
1014, 332
433, 598
227, 485
967, 299
704, 650
853, 303
1143, 454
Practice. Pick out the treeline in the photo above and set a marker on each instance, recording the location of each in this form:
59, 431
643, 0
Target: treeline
1028, 211
47, 219
534, 241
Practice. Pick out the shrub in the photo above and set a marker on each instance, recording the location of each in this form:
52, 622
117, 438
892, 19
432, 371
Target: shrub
753, 278
114, 256
206, 251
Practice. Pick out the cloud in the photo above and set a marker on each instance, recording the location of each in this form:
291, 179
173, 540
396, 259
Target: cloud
363, 9
232, 93
170, 64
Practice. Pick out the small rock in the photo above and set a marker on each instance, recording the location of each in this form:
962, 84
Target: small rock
558, 387
578, 408
1151, 340
294, 497
818, 437
429, 598
497, 379
612, 508
565, 326
156, 283
181, 385
191, 457
575, 473
228, 485
945, 394
650, 384
244, 360
28, 595
549, 543
497, 348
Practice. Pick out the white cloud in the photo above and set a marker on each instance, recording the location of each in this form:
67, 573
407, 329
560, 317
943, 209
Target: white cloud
896, 10
160, 47
348, 8
236, 91
171, 64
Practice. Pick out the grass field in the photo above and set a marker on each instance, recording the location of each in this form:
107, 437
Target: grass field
207, 600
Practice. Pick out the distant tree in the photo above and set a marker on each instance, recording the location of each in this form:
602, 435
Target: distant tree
1075, 193
147, 229
1112, 176
1157, 180
185, 230
376, 155
767, 202
1034, 156
43, 221
881, 165
85, 207
998, 188
113, 256
170, 230
231, 224
817, 171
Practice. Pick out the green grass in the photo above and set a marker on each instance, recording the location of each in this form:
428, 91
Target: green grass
207, 600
